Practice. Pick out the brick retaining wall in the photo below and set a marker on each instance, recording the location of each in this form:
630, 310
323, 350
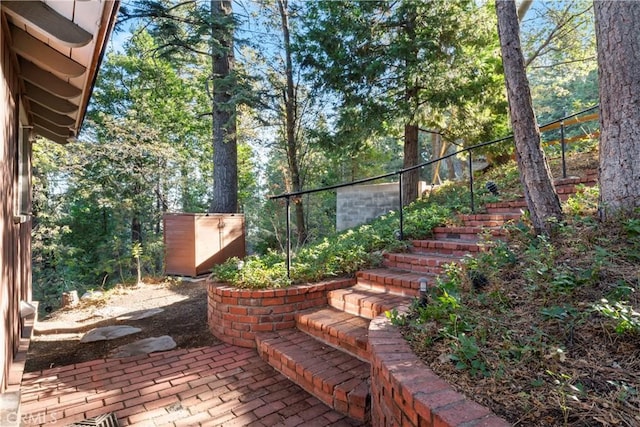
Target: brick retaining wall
405, 392
235, 315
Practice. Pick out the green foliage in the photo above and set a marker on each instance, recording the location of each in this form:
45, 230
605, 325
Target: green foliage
446, 308
539, 258
621, 291
420, 220
488, 264
558, 312
144, 150
624, 316
466, 355
339, 254
565, 390
434, 63
453, 195
559, 39
254, 271
444, 304
583, 202
632, 227
395, 317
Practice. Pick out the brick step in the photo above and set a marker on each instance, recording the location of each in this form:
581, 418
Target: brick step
445, 246
465, 233
338, 329
484, 223
338, 379
368, 298
513, 206
419, 262
567, 189
489, 219
590, 178
392, 286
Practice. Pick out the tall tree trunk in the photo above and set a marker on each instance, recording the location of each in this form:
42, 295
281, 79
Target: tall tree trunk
158, 226
535, 176
291, 121
411, 131
618, 41
435, 151
136, 229
411, 156
451, 162
136, 241
225, 149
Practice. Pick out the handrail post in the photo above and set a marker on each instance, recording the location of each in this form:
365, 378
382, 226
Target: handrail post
473, 208
401, 203
563, 145
288, 198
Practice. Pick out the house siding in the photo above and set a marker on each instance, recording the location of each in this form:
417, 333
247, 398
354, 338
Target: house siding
15, 244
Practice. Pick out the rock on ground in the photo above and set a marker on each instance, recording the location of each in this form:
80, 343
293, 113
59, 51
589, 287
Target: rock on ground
109, 333
144, 346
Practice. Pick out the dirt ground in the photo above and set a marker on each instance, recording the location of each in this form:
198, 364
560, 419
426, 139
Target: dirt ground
56, 341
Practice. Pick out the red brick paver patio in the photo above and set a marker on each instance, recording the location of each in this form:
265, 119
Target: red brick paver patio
210, 386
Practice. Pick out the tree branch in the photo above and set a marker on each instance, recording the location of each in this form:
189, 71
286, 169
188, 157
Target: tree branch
523, 8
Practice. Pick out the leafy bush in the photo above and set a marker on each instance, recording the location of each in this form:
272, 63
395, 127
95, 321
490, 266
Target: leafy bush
626, 319
337, 255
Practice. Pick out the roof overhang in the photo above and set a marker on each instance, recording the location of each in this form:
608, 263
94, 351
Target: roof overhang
57, 47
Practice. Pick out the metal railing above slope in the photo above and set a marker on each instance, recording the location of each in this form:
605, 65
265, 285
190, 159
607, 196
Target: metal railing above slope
561, 124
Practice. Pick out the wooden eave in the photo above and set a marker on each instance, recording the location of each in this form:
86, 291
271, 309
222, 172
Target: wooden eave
45, 80
58, 46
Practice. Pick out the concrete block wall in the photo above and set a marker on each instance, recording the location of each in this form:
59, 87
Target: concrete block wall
361, 203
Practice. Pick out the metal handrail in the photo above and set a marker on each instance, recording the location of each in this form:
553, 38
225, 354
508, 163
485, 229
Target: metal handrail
401, 172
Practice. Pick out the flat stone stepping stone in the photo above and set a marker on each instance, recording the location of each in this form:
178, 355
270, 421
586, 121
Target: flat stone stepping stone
145, 346
140, 314
110, 311
109, 333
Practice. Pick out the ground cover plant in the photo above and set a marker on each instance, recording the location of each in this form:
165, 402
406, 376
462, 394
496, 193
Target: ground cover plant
343, 253
545, 331
338, 255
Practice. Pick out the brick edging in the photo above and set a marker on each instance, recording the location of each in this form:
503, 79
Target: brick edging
404, 391
235, 315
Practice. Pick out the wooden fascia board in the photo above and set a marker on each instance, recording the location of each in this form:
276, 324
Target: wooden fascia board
37, 14
43, 55
108, 21
47, 81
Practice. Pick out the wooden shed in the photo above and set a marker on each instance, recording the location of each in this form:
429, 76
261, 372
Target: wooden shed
194, 243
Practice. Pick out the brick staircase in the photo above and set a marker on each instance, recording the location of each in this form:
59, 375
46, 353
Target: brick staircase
328, 352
